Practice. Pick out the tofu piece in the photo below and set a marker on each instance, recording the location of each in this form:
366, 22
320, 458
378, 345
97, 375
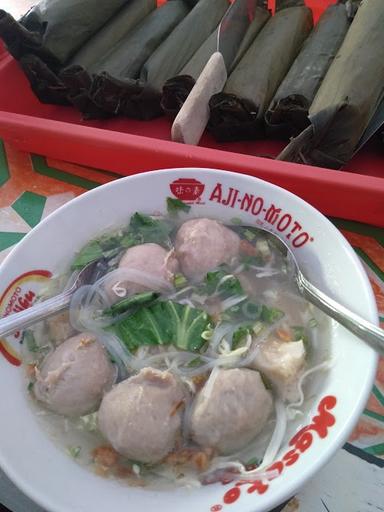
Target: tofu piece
283, 364
60, 328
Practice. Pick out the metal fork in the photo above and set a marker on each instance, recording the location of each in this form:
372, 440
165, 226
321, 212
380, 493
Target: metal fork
23, 319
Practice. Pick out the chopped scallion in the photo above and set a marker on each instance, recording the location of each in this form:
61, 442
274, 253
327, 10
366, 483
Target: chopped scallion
74, 451
249, 235
179, 281
313, 323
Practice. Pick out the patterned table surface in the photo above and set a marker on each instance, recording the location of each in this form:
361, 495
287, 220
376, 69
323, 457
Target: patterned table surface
32, 186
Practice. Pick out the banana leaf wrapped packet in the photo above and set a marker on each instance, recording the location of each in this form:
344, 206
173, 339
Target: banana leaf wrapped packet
55, 29
287, 114
184, 41
97, 87
259, 19
140, 98
106, 39
177, 89
44, 79
348, 97
44, 82
238, 112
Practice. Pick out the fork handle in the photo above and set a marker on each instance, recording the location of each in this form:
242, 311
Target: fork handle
19, 321
365, 330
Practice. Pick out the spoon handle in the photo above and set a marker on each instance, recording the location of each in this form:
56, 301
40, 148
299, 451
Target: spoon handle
45, 309
365, 330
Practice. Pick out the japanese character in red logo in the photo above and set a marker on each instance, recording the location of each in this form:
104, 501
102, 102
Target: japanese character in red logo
187, 189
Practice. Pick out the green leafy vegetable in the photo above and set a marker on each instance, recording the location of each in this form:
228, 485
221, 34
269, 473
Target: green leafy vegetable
106, 246
254, 312
240, 335
30, 341
142, 229
127, 241
313, 323
271, 315
251, 310
253, 463
174, 206
179, 281
248, 261
130, 302
220, 281
111, 242
249, 235
212, 279
247, 308
195, 362
30, 386
74, 451
145, 229
164, 323
299, 335
91, 252
298, 332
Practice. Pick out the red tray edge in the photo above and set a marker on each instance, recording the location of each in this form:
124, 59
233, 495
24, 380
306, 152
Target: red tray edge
336, 193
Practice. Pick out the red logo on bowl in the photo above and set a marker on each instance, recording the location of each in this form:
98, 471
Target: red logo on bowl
19, 295
188, 190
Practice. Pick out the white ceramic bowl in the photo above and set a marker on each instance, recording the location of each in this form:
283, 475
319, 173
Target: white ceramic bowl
58, 484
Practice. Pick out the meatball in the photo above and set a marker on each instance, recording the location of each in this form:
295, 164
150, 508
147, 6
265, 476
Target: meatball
230, 410
149, 258
141, 416
72, 379
204, 244
283, 364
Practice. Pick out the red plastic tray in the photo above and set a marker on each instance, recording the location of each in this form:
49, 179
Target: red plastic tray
127, 147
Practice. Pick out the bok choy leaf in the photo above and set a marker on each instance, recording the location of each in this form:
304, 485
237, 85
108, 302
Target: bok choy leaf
164, 323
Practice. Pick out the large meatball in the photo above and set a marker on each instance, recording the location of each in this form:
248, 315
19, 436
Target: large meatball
283, 363
230, 410
153, 260
73, 378
204, 244
141, 416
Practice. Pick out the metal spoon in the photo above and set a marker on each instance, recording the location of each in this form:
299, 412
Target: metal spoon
49, 307
365, 330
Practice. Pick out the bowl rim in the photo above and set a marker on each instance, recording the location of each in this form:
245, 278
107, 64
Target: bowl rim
343, 431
